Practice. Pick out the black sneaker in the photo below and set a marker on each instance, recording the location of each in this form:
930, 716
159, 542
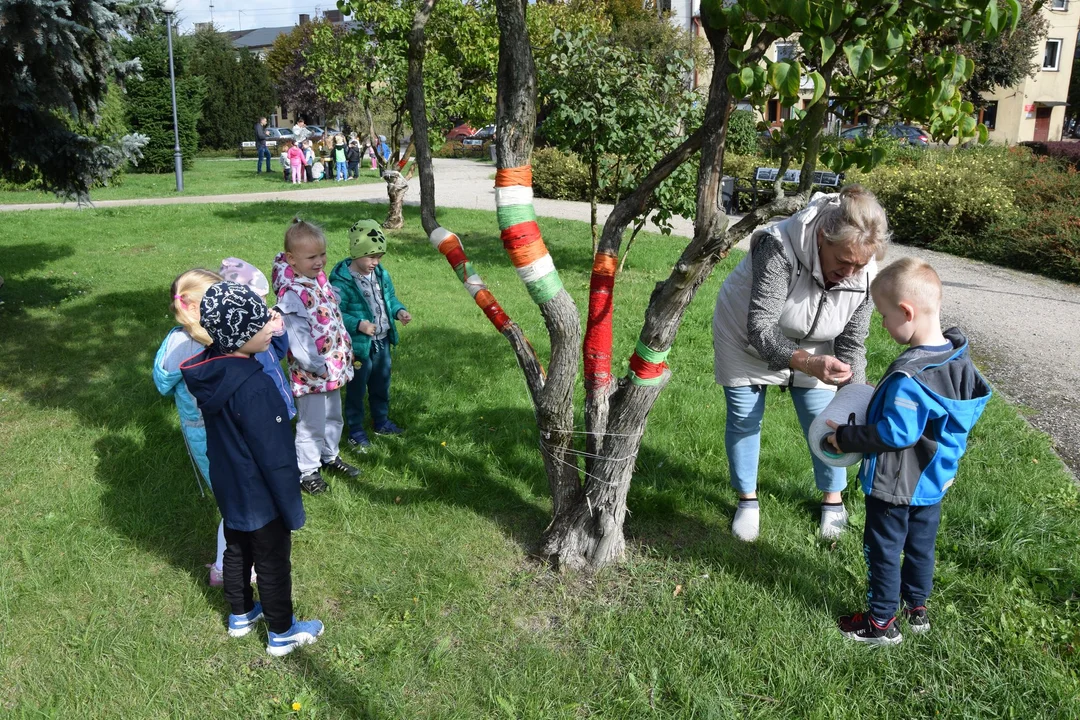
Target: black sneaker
917, 619
313, 483
388, 428
862, 628
340, 466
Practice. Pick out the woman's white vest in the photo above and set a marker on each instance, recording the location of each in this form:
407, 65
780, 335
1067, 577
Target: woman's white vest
811, 317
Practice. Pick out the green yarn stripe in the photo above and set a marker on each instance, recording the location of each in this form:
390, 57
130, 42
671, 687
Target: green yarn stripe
647, 354
641, 382
545, 288
511, 215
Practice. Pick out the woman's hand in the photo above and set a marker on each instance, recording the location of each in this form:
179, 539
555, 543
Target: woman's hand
825, 368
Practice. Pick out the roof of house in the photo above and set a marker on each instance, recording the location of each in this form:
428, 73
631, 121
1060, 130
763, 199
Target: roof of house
260, 37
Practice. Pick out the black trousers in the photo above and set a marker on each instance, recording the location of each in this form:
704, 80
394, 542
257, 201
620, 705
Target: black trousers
307, 173
269, 549
891, 530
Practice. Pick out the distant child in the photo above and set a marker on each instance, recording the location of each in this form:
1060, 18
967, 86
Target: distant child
340, 162
369, 306
318, 170
371, 154
249, 444
309, 160
183, 341
286, 167
320, 353
243, 273
917, 428
352, 157
296, 163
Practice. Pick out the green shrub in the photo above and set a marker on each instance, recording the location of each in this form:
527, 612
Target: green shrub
558, 175
742, 135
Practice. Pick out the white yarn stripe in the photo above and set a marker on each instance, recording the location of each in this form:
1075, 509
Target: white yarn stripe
474, 284
513, 195
438, 235
536, 269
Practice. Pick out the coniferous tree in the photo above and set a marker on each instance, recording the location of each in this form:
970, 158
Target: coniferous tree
237, 90
57, 66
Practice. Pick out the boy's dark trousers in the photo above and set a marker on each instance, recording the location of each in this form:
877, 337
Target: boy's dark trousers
307, 173
354, 169
269, 548
889, 530
372, 378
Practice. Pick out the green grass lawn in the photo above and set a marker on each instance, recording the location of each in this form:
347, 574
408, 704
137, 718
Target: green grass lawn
421, 568
208, 176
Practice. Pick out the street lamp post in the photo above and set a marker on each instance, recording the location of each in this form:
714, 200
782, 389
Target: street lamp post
169, 8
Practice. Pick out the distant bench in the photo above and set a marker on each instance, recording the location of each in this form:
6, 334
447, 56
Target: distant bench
760, 184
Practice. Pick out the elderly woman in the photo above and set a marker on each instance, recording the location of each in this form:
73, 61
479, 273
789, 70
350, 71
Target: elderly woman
796, 313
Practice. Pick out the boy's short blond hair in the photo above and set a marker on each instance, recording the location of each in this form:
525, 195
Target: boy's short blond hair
909, 280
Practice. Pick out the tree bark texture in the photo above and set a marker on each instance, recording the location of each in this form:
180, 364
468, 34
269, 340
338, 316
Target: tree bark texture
396, 187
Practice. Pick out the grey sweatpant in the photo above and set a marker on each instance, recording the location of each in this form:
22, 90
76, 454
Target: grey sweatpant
318, 429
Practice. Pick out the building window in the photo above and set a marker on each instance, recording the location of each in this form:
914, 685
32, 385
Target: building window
785, 51
988, 115
1062, 5
664, 6
1052, 55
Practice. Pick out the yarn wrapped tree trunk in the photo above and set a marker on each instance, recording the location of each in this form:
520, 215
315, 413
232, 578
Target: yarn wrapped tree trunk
589, 501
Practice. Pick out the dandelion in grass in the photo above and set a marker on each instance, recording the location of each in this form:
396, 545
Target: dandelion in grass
296, 707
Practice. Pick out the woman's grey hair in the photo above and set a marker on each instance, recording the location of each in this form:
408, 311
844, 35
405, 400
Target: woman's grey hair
858, 220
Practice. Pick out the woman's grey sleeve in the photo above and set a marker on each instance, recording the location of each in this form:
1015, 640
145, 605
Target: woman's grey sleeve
850, 345
768, 293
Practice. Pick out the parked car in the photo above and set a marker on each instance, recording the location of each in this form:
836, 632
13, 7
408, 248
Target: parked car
485, 133
460, 132
916, 137
316, 132
283, 133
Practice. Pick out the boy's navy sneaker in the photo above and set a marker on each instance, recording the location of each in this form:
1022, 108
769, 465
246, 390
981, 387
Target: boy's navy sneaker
241, 625
313, 483
917, 619
862, 628
359, 441
340, 466
388, 428
301, 633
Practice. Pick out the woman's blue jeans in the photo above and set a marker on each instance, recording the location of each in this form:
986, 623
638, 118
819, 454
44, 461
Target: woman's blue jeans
742, 435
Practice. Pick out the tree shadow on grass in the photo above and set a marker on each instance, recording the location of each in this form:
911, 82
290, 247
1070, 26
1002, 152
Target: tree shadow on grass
25, 287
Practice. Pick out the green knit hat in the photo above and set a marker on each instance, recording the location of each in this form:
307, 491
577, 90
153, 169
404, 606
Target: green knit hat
366, 238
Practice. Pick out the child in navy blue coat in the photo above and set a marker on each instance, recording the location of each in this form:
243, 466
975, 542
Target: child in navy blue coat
250, 447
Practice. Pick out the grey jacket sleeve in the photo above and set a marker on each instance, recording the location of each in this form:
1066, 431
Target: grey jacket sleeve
301, 344
769, 291
850, 345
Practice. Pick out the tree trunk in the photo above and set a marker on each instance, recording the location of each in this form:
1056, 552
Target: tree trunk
396, 187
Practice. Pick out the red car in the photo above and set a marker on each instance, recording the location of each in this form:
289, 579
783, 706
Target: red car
461, 132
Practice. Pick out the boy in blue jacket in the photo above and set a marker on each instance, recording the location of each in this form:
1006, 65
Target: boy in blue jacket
252, 457
917, 427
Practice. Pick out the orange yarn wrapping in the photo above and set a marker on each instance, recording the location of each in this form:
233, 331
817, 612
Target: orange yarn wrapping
527, 254
598, 331
449, 243
491, 308
508, 177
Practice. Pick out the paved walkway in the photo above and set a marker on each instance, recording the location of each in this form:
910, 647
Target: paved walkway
1025, 329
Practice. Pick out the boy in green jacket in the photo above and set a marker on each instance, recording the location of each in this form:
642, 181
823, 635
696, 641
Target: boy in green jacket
369, 307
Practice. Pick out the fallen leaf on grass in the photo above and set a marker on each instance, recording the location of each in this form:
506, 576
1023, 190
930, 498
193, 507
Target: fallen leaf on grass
678, 591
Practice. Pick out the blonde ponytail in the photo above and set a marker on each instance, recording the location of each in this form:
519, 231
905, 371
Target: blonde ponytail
187, 292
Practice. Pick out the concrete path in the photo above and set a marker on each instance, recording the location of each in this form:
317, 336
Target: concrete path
1025, 329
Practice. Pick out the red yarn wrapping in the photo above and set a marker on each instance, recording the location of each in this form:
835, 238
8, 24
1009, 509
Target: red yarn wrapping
646, 370
491, 308
456, 256
598, 334
520, 235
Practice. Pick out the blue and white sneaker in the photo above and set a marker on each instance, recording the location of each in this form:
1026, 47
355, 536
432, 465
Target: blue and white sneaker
388, 428
301, 633
241, 625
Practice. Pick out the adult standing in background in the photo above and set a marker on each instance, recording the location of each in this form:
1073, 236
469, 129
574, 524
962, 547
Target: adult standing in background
260, 145
796, 313
301, 132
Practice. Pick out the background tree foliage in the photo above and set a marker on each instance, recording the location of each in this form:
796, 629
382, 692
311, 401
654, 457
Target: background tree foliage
237, 90
296, 81
149, 100
57, 68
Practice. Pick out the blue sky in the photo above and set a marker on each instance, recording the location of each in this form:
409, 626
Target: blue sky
245, 15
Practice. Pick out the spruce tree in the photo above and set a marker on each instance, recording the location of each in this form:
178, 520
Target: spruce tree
237, 90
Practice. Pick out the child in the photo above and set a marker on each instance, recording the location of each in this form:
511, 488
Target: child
320, 354
237, 271
183, 341
352, 157
374, 160
309, 160
317, 170
286, 168
296, 163
339, 157
249, 444
917, 427
369, 306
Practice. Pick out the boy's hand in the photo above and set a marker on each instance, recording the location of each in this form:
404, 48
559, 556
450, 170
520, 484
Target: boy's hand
365, 327
404, 316
277, 323
832, 438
